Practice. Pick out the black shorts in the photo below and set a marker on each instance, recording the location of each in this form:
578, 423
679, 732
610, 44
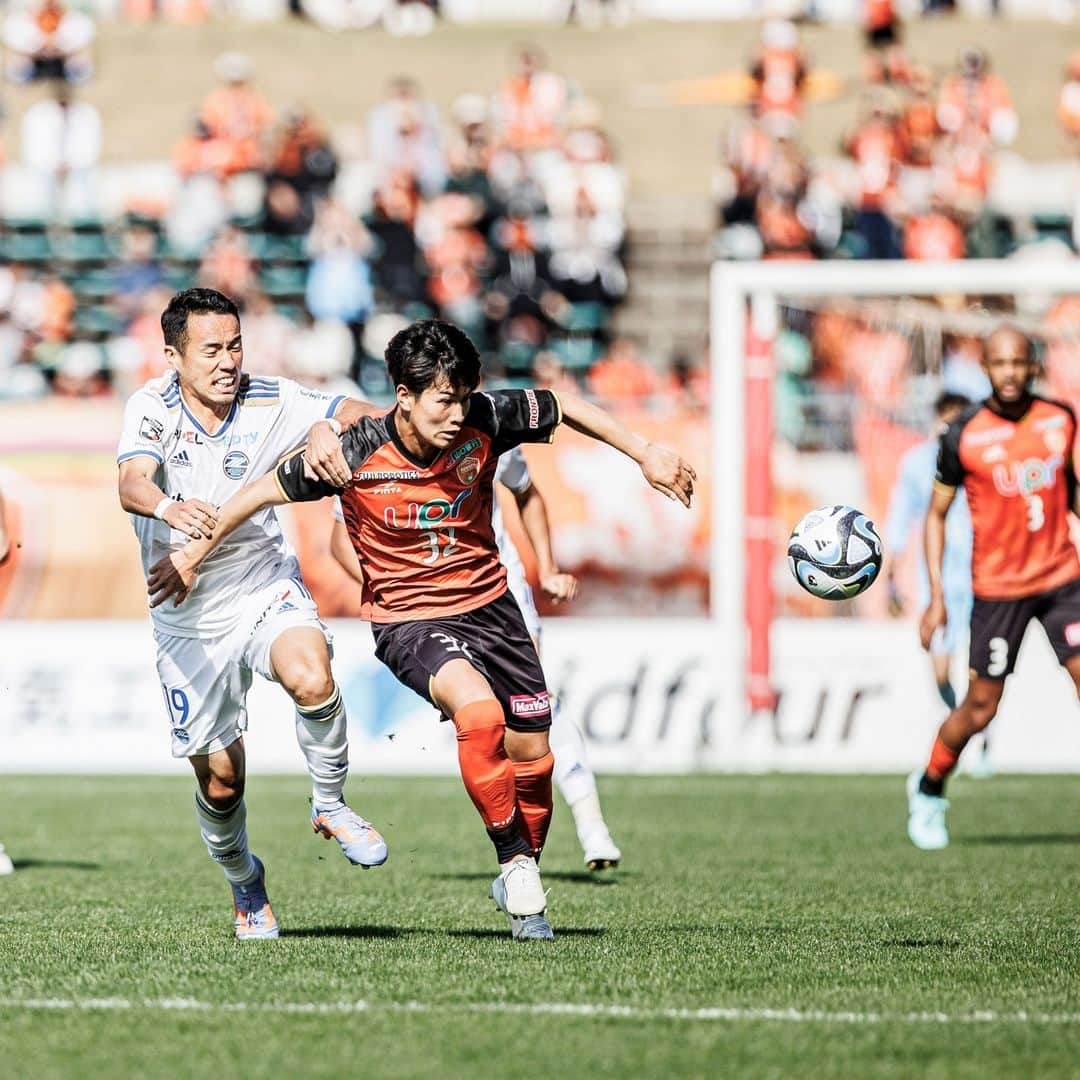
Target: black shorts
997, 628
492, 638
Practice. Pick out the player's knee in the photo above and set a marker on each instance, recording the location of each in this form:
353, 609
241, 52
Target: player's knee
308, 680
524, 746
224, 789
481, 728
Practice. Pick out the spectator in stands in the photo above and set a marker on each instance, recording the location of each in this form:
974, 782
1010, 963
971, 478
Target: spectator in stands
457, 257
585, 164
48, 42
746, 157
783, 220
137, 272
621, 377
530, 106
78, 372
875, 147
584, 259
1069, 102
778, 69
200, 152
339, 285
303, 157
974, 97
549, 374
267, 336
522, 301
321, 357
229, 265
469, 154
934, 233
404, 135
61, 141
396, 260
238, 114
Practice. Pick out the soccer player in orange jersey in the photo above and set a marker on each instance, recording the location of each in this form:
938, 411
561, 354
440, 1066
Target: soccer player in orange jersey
416, 494
1013, 454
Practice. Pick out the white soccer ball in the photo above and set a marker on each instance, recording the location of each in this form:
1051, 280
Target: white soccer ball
835, 552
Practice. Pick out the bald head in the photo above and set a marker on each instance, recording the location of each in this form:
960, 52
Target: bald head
1009, 363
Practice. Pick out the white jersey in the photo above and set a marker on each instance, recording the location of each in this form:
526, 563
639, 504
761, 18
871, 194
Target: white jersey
270, 417
512, 472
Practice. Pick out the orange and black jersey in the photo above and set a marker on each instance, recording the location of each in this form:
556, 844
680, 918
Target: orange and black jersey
422, 529
1020, 482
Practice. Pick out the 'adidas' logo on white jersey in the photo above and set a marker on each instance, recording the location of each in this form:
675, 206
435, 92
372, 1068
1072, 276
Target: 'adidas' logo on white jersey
181, 459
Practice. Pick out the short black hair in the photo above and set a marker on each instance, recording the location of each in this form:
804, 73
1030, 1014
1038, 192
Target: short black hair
948, 400
174, 319
431, 350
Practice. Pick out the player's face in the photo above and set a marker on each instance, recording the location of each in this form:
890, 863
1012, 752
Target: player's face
436, 415
1008, 366
210, 365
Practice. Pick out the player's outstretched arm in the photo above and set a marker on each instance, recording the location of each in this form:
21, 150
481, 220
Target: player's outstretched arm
174, 574
934, 540
323, 454
140, 495
663, 468
534, 518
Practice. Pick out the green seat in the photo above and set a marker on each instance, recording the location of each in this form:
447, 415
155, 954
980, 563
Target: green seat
26, 247
586, 318
577, 353
283, 281
83, 248
517, 358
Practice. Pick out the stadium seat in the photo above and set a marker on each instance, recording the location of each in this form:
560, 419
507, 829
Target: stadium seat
283, 281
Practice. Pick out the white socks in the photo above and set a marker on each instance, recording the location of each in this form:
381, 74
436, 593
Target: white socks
225, 834
575, 779
572, 773
322, 732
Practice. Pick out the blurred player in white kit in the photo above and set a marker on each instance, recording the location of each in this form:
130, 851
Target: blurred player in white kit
6, 865
190, 440
572, 774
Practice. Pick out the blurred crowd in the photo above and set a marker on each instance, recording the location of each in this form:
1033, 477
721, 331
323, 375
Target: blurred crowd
506, 217
921, 156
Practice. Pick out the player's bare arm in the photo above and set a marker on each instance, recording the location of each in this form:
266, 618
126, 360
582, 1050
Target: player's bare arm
174, 574
323, 454
934, 539
534, 518
664, 469
140, 495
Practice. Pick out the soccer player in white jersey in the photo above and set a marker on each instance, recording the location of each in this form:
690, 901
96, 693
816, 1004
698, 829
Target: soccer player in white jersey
191, 439
572, 774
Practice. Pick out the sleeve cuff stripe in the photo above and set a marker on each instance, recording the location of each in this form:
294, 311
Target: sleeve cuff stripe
141, 453
334, 405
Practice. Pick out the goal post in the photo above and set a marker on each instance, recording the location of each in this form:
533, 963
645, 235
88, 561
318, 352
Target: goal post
745, 310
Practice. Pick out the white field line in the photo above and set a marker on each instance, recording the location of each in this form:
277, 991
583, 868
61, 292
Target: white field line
602, 1012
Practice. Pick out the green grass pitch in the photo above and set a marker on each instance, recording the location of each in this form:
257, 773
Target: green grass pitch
792, 910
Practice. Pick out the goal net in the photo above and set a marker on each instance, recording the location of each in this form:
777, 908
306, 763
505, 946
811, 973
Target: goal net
825, 374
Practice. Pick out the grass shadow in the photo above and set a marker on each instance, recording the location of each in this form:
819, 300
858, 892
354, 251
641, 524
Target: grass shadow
1020, 839
54, 864
350, 931
560, 932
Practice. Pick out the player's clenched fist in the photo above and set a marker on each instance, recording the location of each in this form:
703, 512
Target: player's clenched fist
667, 472
193, 517
558, 587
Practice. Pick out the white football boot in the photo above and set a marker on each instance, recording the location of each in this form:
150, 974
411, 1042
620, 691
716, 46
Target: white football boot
519, 893
926, 816
6, 865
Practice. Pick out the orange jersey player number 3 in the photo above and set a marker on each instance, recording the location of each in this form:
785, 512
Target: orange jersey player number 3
423, 530
1020, 480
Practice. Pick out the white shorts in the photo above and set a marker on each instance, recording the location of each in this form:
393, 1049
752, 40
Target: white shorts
206, 680
522, 593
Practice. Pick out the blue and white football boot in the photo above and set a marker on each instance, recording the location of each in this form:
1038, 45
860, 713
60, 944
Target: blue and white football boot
359, 839
926, 816
254, 916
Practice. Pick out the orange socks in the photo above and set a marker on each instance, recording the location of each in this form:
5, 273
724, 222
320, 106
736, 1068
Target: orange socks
533, 782
485, 768
942, 760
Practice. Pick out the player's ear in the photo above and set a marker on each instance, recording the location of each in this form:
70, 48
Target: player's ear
172, 357
405, 398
